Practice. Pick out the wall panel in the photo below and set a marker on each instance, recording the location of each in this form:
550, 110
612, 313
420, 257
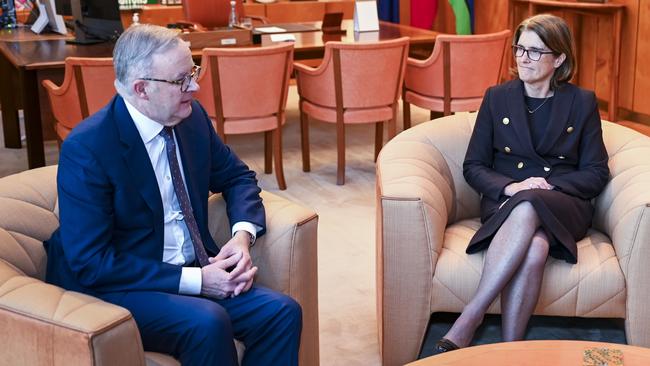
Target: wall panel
642, 70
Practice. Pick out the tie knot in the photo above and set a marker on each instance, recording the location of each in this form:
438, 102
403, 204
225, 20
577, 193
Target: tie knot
167, 133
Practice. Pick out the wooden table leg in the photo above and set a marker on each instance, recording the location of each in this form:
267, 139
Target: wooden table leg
32, 115
10, 125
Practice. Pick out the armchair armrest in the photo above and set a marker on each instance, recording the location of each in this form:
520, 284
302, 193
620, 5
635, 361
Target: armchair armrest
623, 212
42, 324
286, 257
418, 175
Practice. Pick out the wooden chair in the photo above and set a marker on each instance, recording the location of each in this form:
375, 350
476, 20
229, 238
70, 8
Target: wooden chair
244, 90
456, 75
355, 83
87, 87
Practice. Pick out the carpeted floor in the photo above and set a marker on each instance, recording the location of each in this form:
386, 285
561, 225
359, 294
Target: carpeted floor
346, 255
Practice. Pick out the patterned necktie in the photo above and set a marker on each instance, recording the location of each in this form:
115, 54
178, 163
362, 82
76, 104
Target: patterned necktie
183, 198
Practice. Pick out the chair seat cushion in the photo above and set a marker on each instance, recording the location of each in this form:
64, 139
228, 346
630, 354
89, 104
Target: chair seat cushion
594, 287
438, 104
352, 115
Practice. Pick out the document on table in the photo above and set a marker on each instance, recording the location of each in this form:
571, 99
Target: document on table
283, 37
270, 29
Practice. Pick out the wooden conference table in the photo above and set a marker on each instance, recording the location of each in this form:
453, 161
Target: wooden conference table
534, 353
23, 56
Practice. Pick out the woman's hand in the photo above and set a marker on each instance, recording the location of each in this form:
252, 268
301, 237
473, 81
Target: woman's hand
530, 183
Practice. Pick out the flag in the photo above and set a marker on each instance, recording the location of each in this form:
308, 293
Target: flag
423, 13
461, 12
388, 10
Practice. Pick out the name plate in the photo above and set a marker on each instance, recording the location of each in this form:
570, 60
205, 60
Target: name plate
218, 38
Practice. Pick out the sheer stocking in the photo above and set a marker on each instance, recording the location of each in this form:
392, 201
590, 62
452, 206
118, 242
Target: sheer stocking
506, 253
519, 297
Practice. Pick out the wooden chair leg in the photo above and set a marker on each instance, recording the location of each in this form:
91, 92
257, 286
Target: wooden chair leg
304, 140
277, 156
407, 115
268, 149
379, 137
435, 114
340, 154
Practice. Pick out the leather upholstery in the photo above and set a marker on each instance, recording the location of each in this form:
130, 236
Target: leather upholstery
362, 88
41, 324
87, 87
244, 90
427, 213
480, 55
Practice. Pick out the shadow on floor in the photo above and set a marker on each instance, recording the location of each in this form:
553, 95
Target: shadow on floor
539, 328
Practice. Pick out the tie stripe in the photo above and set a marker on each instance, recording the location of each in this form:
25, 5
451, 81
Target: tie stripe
183, 197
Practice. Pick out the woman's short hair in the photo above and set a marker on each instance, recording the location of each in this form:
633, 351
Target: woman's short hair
556, 35
134, 51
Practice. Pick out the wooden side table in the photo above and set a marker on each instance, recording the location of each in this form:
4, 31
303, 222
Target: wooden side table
533, 353
608, 10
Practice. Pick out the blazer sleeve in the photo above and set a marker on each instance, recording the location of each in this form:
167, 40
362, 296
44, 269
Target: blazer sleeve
87, 230
592, 172
477, 167
231, 177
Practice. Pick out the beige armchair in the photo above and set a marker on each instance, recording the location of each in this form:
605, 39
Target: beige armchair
427, 213
41, 324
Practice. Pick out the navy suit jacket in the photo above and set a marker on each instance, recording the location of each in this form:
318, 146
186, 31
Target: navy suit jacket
111, 214
571, 155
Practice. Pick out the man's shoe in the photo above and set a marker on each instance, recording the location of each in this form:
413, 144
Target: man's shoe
444, 345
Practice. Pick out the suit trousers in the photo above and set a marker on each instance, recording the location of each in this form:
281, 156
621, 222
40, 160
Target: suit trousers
200, 331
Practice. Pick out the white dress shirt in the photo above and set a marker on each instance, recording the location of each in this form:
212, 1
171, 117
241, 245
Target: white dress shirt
178, 248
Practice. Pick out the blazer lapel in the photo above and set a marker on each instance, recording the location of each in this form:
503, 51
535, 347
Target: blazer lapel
560, 111
518, 119
137, 160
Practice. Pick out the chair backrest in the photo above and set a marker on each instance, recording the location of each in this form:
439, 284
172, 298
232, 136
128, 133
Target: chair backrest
245, 83
363, 75
467, 65
87, 87
210, 13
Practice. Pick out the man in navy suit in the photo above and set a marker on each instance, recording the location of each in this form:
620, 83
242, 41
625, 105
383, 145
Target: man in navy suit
133, 185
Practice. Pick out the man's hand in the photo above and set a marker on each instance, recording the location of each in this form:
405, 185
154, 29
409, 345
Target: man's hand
215, 280
530, 183
241, 274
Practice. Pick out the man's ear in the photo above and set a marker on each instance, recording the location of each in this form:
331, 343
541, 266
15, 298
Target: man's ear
139, 88
559, 60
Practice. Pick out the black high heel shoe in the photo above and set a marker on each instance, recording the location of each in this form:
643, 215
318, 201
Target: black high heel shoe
444, 345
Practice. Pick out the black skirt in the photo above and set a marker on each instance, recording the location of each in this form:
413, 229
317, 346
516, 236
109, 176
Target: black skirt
564, 218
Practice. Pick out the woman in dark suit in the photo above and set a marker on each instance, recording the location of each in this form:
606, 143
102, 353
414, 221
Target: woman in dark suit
537, 157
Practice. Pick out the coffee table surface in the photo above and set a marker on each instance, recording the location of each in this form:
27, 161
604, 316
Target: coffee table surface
533, 353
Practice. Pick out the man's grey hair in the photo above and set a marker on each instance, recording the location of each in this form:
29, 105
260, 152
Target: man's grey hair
134, 51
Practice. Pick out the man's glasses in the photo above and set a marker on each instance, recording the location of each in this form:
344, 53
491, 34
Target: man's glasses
184, 82
533, 54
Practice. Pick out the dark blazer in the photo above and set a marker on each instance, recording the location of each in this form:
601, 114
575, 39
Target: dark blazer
571, 155
111, 213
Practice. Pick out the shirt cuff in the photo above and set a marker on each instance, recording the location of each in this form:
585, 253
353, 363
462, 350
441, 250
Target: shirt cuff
191, 281
246, 226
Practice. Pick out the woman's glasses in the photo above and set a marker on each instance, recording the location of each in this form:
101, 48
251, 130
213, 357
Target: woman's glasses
533, 54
